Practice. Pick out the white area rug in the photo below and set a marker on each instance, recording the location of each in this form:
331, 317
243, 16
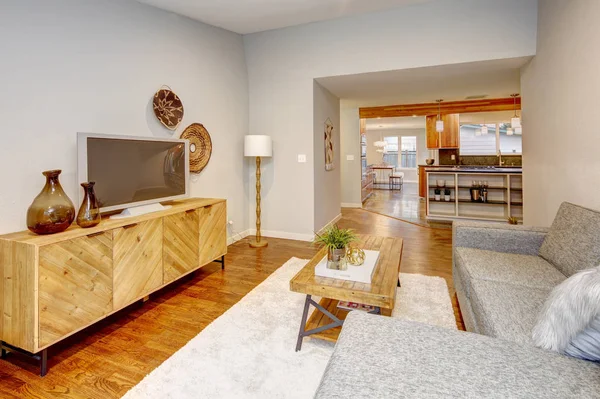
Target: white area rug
249, 352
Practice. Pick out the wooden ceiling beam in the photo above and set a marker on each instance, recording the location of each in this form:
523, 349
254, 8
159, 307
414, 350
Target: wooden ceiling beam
450, 107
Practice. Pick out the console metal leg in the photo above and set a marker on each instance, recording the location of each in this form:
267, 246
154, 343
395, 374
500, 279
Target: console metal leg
44, 363
41, 357
222, 262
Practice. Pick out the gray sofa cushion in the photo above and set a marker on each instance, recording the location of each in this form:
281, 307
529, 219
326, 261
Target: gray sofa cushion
573, 242
380, 357
516, 239
525, 270
506, 311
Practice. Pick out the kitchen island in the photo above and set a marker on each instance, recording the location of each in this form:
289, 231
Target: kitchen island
448, 193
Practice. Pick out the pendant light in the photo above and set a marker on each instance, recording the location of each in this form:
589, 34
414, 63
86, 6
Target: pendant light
519, 130
484, 128
509, 131
439, 124
515, 121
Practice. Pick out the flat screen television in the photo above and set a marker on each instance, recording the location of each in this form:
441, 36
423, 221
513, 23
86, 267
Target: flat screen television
133, 171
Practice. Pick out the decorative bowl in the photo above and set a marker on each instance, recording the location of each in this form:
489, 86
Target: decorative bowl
429, 161
440, 183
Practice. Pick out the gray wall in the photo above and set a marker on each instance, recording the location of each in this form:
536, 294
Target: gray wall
560, 106
327, 198
283, 63
73, 66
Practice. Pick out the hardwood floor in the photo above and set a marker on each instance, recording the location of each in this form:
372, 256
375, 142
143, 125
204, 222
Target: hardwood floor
106, 360
402, 204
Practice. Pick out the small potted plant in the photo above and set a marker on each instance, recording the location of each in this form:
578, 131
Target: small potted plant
336, 240
447, 195
437, 192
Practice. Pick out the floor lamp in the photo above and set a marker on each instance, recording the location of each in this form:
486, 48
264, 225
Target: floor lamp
258, 146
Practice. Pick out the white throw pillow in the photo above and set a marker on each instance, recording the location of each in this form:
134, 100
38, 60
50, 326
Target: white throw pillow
570, 319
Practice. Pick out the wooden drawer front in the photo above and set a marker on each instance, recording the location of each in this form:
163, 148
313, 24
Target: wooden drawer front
75, 285
180, 245
213, 232
137, 261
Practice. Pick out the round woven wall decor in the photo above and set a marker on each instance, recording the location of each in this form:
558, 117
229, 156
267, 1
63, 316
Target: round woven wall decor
168, 108
200, 146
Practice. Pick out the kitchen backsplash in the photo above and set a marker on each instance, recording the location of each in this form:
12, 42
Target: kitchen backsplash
445, 157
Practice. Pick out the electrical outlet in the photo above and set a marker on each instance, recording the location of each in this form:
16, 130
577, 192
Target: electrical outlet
302, 158
349, 157
230, 222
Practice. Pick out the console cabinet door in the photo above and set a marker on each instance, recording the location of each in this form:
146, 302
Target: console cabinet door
75, 285
213, 232
180, 245
137, 260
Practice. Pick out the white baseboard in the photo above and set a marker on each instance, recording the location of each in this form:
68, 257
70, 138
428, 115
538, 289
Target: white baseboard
283, 234
290, 236
238, 236
351, 205
331, 223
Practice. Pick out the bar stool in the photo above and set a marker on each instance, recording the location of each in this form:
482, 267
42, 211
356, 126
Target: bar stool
396, 180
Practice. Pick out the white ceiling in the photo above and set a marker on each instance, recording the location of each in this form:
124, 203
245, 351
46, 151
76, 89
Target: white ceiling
396, 123
495, 79
249, 16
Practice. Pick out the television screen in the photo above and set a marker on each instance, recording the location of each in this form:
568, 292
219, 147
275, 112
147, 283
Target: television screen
130, 171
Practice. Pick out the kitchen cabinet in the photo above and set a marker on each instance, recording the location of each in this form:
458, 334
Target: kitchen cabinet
449, 138
422, 182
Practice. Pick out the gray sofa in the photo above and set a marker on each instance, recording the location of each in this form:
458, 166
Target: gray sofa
502, 275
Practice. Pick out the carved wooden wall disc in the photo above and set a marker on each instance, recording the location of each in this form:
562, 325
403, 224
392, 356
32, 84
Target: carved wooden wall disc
168, 108
200, 146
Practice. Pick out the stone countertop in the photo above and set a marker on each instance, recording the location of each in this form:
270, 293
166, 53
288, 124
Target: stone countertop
473, 169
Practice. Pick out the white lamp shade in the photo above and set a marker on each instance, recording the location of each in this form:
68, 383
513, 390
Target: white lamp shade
509, 132
515, 122
439, 126
519, 130
258, 146
484, 129
380, 144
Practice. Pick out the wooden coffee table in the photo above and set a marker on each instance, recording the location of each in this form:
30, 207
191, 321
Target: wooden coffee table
327, 319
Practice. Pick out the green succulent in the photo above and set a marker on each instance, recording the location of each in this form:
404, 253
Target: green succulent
335, 238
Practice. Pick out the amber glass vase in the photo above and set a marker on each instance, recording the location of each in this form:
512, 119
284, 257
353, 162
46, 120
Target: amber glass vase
89, 212
51, 211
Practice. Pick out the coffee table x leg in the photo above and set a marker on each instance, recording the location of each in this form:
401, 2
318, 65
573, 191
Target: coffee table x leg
336, 322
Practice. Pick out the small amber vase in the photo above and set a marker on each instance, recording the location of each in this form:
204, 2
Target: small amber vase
89, 212
51, 211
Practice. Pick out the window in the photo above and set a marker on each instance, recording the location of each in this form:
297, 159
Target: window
390, 156
473, 142
408, 156
512, 144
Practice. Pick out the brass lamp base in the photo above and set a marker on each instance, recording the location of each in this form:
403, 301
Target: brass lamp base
258, 244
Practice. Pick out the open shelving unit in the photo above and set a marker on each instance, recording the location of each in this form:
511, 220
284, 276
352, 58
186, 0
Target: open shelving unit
505, 196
